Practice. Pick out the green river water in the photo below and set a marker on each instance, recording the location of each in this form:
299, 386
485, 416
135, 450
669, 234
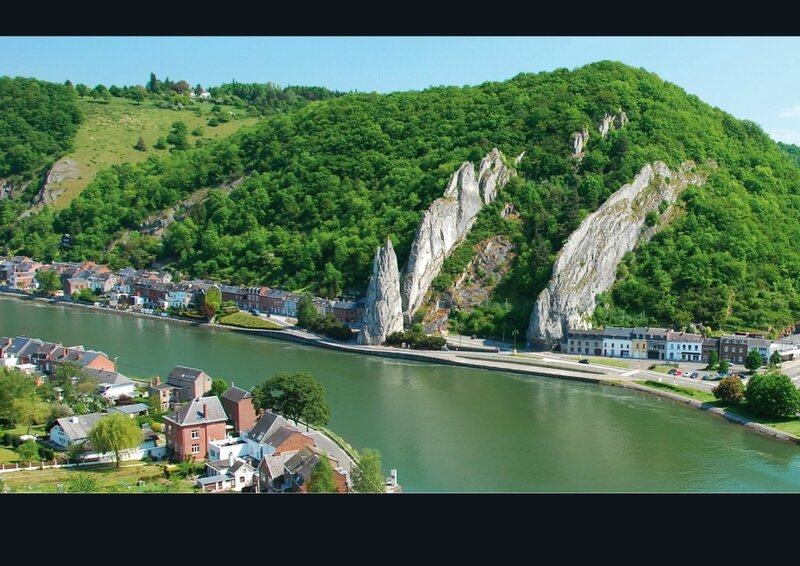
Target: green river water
448, 429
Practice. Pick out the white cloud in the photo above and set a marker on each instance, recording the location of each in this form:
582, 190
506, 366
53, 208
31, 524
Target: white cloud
784, 135
793, 112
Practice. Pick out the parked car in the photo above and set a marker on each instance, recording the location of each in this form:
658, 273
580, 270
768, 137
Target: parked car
583, 361
711, 377
694, 375
672, 371
678, 372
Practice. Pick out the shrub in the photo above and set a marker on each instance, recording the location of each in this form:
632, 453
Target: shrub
46, 453
730, 390
772, 394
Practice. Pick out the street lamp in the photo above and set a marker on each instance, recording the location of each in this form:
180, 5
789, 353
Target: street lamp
514, 334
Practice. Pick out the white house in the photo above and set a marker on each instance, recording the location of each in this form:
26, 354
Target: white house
617, 342
73, 430
257, 438
112, 384
227, 448
684, 347
231, 474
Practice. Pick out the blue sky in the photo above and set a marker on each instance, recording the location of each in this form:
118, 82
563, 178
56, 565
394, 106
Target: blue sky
750, 77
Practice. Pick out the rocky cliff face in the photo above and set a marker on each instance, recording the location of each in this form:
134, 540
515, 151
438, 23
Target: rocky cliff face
579, 141
383, 314
447, 222
587, 264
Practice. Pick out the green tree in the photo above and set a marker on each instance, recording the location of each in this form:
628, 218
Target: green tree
332, 281
13, 385
306, 313
115, 433
100, 92
724, 366
154, 404
161, 143
713, 360
213, 297
153, 85
366, 474
28, 451
178, 136
772, 394
49, 281
776, 359
30, 410
140, 145
198, 131
136, 95
293, 395
82, 89
218, 387
753, 361
321, 480
82, 482
730, 390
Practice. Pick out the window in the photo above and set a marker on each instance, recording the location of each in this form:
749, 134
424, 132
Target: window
726, 348
195, 448
195, 434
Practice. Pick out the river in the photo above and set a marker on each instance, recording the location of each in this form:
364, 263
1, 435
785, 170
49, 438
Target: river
449, 429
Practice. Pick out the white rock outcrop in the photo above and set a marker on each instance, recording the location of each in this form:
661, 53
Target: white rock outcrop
612, 121
447, 222
383, 314
579, 141
587, 264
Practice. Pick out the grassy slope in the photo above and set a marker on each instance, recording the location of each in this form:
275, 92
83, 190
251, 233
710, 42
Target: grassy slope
245, 320
109, 131
108, 478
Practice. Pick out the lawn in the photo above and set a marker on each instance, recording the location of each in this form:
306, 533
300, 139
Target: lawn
246, 320
610, 362
7, 455
109, 479
703, 396
109, 132
19, 430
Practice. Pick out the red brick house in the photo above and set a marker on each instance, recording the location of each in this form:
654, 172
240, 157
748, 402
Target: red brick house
167, 394
189, 428
290, 473
238, 405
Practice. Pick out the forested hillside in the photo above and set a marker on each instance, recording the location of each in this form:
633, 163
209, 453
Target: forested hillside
38, 121
326, 182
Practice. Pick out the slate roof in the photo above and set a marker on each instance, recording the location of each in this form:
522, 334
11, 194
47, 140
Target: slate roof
163, 386
192, 412
131, 409
236, 394
615, 332
182, 373
76, 431
304, 461
266, 425
110, 377
278, 437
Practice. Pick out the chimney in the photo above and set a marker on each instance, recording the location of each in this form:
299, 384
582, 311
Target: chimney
156, 380
205, 410
75, 420
230, 458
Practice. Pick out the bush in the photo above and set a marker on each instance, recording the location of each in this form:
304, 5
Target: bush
330, 326
416, 340
46, 453
772, 394
730, 390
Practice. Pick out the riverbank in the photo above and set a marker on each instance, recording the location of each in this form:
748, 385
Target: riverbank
610, 376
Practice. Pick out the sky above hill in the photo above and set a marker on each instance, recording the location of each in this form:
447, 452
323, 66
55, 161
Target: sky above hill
756, 78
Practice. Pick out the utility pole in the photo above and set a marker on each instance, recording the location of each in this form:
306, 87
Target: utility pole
514, 333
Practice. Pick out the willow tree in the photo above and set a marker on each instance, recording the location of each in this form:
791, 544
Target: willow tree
114, 434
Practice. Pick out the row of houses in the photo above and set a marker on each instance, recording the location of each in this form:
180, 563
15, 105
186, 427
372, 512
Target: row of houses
155, 289
40, 359
668, 345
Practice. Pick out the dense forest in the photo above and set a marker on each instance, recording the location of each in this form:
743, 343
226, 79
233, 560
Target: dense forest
38, 121
324, 183
269, 98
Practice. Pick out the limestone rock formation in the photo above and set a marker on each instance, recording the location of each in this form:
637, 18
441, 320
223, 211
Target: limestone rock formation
447, 222
63, 170
383, 314
579, 141
610, 121
587, 264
